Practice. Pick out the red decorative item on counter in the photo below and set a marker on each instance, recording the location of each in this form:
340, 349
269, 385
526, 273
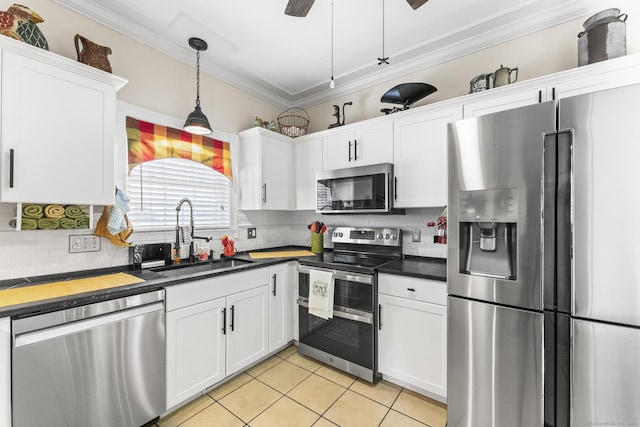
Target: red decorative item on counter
229, 245
441, 231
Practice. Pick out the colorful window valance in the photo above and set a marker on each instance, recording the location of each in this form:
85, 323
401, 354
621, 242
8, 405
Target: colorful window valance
148, 141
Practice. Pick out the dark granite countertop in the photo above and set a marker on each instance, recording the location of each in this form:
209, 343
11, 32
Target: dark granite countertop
421, 267
430, 268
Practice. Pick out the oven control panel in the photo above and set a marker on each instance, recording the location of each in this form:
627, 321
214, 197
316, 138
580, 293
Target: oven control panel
366, 235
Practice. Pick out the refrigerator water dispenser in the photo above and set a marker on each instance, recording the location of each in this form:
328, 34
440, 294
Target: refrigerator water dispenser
488, 233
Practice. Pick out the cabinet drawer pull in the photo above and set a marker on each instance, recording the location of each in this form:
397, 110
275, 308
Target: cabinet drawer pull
224, 321
411, 289
11, 168
349, 150
274, 285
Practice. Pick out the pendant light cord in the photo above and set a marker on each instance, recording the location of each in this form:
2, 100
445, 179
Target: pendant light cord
198, 78
383, 28
331, 40
383, 59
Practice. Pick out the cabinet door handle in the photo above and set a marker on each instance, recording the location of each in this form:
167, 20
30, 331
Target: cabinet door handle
349, 150
224, 321
395, 188
232, 317
411, 289
539, 97
379, 317
264, 193
274, 285
355, 150
11, 168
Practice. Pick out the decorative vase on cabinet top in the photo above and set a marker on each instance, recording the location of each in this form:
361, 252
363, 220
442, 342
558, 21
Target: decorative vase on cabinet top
19, 22
604, 37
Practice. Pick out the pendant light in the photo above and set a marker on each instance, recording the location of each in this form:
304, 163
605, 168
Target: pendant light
383, 59
332, 84
197, 123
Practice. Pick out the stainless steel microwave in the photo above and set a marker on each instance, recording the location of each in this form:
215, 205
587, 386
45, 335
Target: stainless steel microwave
363, 189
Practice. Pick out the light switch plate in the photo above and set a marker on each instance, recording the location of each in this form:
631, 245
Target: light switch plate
83, 243
251, 233
415, 233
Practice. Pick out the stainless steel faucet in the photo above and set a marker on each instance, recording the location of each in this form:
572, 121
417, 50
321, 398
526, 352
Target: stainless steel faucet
177, 245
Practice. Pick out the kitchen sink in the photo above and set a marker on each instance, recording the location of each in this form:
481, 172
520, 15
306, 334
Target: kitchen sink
185, 269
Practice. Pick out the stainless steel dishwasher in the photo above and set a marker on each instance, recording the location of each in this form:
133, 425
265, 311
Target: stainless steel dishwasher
95, 365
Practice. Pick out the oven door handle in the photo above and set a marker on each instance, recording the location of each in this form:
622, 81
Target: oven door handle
338, 311
341, 275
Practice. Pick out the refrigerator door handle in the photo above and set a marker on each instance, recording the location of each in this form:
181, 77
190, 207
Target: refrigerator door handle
557, 219
564, 220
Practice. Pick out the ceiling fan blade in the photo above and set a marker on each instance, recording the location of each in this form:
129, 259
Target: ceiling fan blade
416, 3
298, 8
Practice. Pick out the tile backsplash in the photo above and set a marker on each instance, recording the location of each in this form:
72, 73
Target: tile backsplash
39, 252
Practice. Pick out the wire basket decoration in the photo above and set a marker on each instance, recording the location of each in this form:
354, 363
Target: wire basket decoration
292, 124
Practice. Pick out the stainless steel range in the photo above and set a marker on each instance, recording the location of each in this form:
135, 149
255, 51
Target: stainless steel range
347, 340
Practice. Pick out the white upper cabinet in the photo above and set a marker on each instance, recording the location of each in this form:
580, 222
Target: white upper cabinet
505, 101
266, 170
363, 145
603, 75
601, 78
58, 128
420, 157
308, 161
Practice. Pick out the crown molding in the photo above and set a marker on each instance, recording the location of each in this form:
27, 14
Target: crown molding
480, 36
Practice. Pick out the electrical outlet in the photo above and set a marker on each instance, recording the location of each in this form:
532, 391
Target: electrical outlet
84, 243
415, 234
251, 233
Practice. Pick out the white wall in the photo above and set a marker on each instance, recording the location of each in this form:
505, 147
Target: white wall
539, 54
156, 81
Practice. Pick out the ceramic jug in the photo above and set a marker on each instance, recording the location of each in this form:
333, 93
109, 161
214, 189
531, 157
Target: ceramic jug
502, 76
92, 54
480, 82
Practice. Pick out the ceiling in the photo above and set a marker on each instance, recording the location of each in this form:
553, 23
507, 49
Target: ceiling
286, 60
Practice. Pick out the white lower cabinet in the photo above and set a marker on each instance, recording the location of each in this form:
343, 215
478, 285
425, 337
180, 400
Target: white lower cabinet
247, 328
215, 327
5, 372
195, 349
280, 313
412, 335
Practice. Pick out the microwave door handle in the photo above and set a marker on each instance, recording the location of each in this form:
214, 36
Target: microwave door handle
395, 188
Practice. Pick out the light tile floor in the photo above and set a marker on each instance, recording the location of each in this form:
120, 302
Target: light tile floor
289, 390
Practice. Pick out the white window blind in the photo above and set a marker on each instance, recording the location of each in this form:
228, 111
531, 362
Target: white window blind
155, 188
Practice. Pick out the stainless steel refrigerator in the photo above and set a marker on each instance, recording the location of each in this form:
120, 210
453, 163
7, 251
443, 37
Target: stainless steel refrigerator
544, 264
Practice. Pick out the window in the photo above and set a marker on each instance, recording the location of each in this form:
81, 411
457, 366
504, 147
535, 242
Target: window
155, 188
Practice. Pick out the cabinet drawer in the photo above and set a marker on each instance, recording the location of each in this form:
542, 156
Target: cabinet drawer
186, 294
426, 290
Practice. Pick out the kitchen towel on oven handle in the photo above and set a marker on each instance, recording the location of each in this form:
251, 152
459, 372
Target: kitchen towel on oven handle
321, 285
